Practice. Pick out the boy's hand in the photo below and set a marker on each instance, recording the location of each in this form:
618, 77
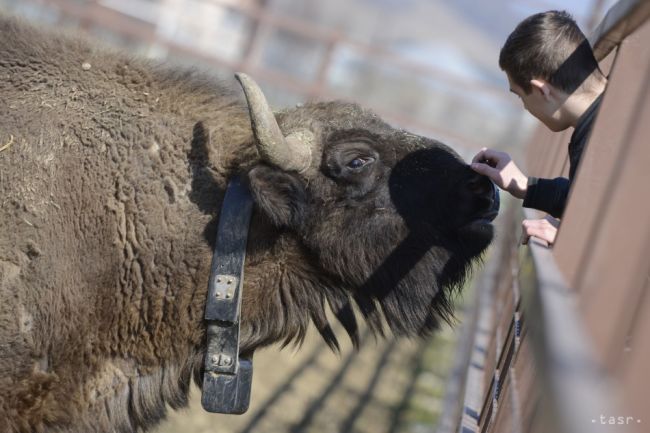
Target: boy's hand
500, 168
544, 229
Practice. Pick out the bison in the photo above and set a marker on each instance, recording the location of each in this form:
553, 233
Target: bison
111, 181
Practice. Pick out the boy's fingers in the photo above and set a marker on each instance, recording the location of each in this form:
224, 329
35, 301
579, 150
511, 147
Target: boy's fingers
529, 227
552, 221
535, 231
484, 169
539, 229
531, 224
494, 156
479, 156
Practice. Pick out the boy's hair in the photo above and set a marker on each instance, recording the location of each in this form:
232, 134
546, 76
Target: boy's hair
550, 46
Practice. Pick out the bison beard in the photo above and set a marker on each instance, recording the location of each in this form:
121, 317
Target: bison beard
399, 271
110, 200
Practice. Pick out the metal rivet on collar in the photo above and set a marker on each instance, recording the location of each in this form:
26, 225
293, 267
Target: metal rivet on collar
227, 377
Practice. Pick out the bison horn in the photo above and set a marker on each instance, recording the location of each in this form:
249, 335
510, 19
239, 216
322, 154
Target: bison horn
289, 153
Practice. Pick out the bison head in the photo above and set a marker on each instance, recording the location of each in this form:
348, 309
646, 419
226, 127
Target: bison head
388, 220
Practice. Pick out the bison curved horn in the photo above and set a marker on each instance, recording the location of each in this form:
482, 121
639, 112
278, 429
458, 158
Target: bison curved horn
289, 153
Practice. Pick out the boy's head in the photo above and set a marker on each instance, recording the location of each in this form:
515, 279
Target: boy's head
547, 52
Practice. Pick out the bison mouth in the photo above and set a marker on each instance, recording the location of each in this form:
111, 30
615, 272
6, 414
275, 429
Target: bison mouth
486, 218
488, 211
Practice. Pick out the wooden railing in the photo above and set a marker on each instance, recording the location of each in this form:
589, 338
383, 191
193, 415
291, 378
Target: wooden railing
562, 341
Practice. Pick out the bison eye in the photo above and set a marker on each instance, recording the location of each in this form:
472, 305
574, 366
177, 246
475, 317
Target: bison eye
359, 162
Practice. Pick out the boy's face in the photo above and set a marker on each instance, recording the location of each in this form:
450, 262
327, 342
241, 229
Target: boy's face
541, 104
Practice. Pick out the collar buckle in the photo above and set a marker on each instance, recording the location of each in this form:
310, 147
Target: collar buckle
227, 378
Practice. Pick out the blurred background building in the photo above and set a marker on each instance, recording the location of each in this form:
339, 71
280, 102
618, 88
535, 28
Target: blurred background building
429, 66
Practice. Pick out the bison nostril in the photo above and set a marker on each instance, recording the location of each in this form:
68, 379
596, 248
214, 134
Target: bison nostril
480, 185
485, 202
484, 196
476, 188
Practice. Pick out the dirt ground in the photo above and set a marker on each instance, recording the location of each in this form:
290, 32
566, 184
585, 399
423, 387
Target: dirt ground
388, 386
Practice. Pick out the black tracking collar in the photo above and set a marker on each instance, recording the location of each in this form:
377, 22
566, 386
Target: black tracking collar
227, 378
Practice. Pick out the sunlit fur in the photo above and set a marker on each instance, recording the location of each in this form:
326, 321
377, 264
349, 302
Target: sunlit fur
110, 198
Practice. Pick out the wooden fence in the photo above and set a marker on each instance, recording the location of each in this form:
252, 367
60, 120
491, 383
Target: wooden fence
561, 336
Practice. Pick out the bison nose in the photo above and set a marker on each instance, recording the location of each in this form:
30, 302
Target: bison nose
486, 196
479, 185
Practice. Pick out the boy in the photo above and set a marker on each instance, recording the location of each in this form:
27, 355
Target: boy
550, 66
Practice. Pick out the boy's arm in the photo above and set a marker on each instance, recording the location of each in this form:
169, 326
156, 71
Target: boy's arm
502, 170
548, 195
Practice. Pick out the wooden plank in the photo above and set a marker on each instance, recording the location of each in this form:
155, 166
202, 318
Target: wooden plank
537, 151
607, 63
527, 386
504, 419
575, 389
534, 150
488, 379
600, 162
561, 156
519, 394
621, 20
633, 365
616, 264
518, 390
504, 325
474, 393
550, 149
566, 166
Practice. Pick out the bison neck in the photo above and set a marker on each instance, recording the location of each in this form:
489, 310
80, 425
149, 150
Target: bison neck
113, 189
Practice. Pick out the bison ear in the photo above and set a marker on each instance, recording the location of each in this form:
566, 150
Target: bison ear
280, 195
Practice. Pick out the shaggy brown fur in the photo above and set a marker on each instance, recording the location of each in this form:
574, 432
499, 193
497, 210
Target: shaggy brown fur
110, 196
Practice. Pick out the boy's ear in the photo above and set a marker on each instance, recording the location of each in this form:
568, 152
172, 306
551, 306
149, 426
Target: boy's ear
541, 86
278, 194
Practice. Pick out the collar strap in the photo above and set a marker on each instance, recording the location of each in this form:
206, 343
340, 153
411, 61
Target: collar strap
227, 378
